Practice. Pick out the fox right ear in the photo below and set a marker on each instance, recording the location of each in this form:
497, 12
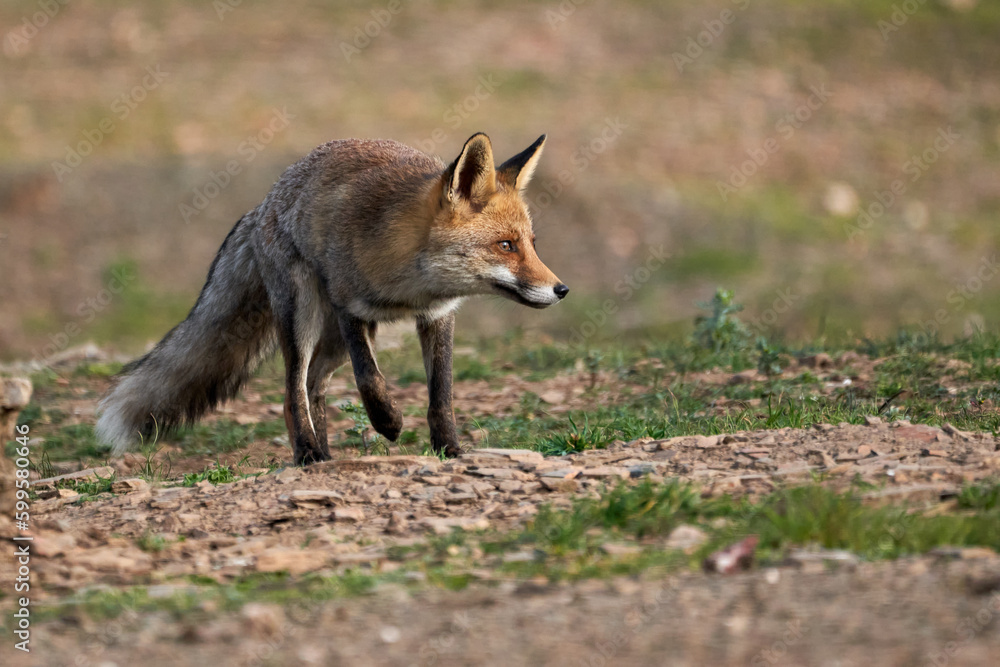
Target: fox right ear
517, 171
472, 175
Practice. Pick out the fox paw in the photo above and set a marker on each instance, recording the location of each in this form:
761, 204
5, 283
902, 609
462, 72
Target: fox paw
306, 456
387, 420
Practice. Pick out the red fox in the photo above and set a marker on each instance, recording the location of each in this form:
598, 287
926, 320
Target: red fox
356, 233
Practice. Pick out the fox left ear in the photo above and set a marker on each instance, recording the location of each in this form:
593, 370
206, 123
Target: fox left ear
472, 176
517, 171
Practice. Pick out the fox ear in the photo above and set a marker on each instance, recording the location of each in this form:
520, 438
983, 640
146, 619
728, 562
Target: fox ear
517, 171
472, 175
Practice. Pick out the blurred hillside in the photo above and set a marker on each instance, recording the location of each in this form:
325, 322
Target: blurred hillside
835, 163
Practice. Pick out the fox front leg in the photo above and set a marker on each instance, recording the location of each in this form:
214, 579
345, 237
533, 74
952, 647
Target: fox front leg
437, 338
359, 336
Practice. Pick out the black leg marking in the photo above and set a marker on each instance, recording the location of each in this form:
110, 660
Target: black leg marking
437, 340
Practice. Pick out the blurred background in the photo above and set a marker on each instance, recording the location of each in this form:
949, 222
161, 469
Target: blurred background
836, 164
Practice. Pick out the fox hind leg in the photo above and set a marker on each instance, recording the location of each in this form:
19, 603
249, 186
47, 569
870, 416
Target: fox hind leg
359, 336
330, 354
298, 313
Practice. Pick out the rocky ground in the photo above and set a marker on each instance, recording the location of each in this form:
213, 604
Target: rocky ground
149, 559
349, 514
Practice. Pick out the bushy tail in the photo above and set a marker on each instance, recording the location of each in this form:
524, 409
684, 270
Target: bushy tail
203, 360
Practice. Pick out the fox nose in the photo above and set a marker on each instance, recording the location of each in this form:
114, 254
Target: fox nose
561, 290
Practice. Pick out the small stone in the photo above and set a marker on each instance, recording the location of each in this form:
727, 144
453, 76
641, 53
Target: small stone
934, 452
294, 561
519, 557
262, 620
445, 525
606, 471
313, 497
129, 485
952, 431
686, 538
390, 634
641, 470
519, 455
620, 550
561, 473
495, 473
399, 523
871, 420
559, 485
353, 514
553, 396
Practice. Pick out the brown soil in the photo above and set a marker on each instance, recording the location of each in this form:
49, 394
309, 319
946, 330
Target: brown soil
347, 513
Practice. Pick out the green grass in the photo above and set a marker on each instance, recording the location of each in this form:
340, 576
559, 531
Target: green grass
219, 474
570, 544
226, 435
71, 442
216, 474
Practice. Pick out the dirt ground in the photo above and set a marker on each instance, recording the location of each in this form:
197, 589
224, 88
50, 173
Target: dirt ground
350, 513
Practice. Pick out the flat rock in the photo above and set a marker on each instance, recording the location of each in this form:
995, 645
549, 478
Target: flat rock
131, 485
314, 497
372, 464
519, 455
351, 514
87, 475
294, 561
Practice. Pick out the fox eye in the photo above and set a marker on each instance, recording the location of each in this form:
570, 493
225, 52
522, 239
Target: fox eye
508, 246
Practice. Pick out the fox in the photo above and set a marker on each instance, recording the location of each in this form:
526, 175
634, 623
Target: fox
358, 233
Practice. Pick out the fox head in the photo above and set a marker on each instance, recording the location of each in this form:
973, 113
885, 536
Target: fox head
481, 238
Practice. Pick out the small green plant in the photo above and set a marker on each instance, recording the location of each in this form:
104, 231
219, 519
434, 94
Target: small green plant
768, 359
721, 330
152, 470
215, 474
593, 364
42, 464
91, 487
361, 426
578, 439
30, 414
151, 542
